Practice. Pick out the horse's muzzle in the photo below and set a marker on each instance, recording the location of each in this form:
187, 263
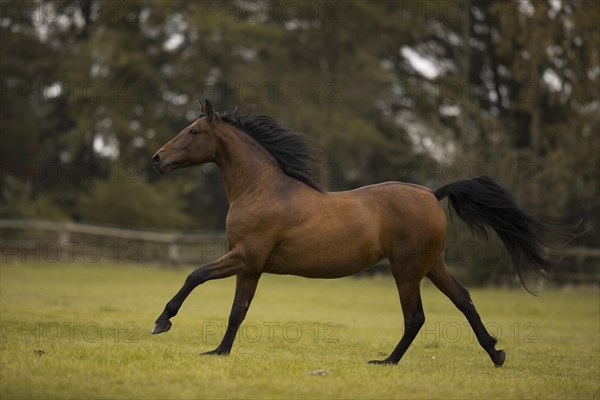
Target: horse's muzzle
159, 164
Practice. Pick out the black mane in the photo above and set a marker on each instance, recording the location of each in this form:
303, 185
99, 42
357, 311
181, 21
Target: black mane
294, 152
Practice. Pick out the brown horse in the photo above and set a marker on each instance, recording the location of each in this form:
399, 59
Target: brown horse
281, 221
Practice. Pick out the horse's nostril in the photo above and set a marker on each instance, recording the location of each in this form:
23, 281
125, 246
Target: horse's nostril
156, 159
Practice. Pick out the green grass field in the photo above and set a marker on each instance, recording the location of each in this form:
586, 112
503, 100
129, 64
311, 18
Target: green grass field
82, 331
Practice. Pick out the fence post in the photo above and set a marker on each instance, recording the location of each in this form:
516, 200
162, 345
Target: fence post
173, 253
64, 237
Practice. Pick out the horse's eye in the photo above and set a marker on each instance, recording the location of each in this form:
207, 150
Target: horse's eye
193, 132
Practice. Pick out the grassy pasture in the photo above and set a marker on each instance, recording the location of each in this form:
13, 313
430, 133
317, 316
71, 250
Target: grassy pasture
82, 331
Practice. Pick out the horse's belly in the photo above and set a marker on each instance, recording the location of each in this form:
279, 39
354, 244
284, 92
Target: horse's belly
322, 259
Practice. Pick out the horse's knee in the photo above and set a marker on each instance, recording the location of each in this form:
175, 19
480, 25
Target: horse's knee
196, 278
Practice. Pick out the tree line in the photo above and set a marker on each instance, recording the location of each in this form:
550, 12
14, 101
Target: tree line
422, 91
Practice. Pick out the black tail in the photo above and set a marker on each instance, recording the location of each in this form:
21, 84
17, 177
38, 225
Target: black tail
481, 201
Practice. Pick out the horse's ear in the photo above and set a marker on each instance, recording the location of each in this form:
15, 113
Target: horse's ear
201, 106
208, 110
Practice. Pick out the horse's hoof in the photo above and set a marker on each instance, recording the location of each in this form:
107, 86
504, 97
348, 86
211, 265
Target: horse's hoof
161, 326
215, 352
382, 362
499, 359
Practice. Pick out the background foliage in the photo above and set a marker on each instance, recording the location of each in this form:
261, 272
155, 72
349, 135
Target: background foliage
419, 91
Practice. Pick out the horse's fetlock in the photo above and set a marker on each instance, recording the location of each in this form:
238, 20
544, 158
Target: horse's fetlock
171, 310
489, 343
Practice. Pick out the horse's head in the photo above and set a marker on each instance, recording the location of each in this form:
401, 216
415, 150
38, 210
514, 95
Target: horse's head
196, 144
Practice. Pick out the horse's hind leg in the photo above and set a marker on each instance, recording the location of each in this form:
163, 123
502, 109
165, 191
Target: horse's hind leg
414, 318
408, 283
445, 282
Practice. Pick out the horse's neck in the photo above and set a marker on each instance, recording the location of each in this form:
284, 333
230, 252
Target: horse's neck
245, 165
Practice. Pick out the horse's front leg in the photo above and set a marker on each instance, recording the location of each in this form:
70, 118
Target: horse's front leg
230, 264
244, 292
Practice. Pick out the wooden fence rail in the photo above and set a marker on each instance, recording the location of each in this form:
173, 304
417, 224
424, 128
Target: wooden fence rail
67, 232
171, 247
